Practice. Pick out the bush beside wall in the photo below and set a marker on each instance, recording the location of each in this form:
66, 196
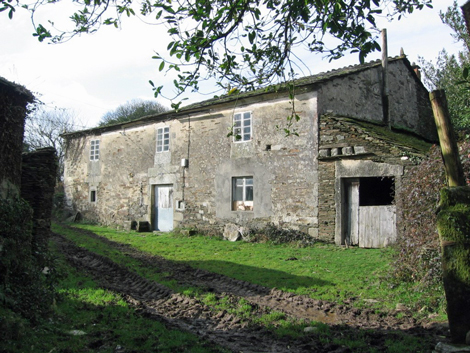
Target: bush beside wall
418, 257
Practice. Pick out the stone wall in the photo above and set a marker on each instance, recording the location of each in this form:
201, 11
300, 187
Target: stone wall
326, 201
25, 220
344, 140
283, 168
38, 177
358, 95
295, 180
118, 178
13, 108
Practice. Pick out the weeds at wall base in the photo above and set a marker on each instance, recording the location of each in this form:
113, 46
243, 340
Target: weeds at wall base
26, 287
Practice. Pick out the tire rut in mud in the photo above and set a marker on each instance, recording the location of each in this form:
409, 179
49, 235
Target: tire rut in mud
176, 310
227, 330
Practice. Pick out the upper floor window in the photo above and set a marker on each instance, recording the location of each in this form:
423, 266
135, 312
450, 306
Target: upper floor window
163, 139
94, 150
242, 194
242, 127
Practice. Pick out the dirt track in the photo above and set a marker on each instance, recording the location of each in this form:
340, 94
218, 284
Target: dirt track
227, 330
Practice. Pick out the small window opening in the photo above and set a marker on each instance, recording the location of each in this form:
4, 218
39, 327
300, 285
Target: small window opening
93, 196
268, 147
376, 191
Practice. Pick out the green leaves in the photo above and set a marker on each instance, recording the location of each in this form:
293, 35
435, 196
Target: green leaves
237, 44
251, 37
465, 72
452, 72
5, 5
42, 33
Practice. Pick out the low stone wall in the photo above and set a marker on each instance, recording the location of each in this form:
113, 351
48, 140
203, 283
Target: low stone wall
326, 201
38, 178
13, 103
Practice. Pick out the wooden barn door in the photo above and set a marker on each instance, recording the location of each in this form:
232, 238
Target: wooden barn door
369, 213
163, 212
377, 226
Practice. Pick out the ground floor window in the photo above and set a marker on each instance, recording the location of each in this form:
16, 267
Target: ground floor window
93, 196
242, 193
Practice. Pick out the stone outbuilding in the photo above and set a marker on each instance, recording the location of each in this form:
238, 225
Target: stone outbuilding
14, 100
228, 160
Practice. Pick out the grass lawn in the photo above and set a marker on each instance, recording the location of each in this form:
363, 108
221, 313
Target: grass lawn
323, 271
87, 318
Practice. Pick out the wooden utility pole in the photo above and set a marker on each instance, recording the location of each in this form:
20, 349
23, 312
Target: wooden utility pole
385, 103
447, 140
453, 219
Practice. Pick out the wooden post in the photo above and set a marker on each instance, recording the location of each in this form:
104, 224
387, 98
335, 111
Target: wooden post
453, 222
385, 102
447, 140
453, 219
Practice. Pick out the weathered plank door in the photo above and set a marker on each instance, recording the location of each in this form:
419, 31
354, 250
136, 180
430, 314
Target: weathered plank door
377, 226
163, 212
352, 212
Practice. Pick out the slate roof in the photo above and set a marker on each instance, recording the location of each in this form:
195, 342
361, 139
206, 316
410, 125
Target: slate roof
312, 80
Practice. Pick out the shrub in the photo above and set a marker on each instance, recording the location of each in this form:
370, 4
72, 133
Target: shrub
417, 249
24, 288
278, 235
58, 203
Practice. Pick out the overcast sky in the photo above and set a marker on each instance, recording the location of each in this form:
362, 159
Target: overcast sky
94, 74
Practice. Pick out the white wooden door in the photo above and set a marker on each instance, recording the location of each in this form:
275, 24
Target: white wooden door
163, 218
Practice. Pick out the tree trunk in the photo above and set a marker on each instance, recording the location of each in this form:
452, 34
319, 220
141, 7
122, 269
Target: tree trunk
453, 225
447, 140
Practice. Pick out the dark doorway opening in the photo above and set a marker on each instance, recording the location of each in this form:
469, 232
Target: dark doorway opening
376, 191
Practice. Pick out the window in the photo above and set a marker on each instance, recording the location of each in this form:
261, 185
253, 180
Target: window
242, 194
163, 139
94, 150
242, 127
93, 196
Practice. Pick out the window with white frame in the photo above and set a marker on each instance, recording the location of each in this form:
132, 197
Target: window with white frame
94, 150
242, 127
242, 193
163, 139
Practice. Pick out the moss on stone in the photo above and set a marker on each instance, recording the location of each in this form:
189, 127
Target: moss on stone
404, 138
455, 195
453, 225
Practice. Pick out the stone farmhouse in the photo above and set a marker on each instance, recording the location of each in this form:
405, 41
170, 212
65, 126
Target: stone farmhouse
338, 180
